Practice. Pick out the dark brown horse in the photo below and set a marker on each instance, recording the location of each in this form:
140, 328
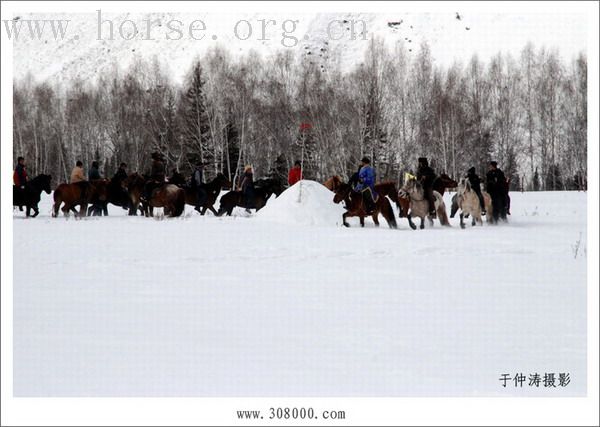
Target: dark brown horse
167, 196
79, 194
212, 189
262, 191
355, 206
443, 182
116, 194
135, 184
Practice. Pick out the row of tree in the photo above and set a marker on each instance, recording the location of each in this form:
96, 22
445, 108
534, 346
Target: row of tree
529, 113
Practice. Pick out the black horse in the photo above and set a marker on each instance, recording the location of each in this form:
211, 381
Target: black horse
116, 194
263, 189
211, 189
29, 195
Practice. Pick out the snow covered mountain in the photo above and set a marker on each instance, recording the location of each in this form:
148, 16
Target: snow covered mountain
86, 49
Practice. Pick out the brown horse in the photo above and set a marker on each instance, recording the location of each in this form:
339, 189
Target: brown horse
79, 194
443, 182
167, 196
333, 183
355, 206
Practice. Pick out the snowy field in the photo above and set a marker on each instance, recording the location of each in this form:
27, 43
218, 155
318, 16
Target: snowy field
287, 302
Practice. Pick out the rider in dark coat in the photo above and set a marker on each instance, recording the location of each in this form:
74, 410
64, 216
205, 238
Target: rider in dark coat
94, 172
116, 183
247, 187
157, 172
157, 175
426, 176
475, 182
496, 187
198, 184
98, 207
20, 175
121, 173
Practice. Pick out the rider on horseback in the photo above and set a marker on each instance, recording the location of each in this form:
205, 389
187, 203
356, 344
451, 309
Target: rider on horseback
426, 176
198, 184
475, 182
247, 187
78, 177
157, 175
20, 176
366, 184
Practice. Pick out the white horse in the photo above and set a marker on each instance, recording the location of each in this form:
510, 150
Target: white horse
419, 205
468, 202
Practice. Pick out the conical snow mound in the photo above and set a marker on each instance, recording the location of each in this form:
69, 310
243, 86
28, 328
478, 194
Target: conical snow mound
304, 203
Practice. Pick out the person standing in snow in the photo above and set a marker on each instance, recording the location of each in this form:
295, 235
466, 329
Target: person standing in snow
366, 184
295, 173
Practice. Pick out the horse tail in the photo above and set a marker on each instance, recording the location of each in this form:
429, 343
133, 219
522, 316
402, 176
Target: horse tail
443, 216
388, 214
57, 196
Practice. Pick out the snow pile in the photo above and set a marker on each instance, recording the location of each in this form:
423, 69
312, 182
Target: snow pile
304, 203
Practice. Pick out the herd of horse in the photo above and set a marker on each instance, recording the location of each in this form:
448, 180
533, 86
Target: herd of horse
132, 194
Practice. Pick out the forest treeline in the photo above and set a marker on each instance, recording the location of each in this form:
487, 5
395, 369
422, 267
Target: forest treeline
528, 111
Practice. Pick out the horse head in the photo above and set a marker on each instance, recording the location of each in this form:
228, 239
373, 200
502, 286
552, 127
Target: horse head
46, 180
222, 182
447, 181
99, 189
342, 193
412, 186
464, 186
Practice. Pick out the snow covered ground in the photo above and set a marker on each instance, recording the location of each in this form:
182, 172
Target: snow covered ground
269, 305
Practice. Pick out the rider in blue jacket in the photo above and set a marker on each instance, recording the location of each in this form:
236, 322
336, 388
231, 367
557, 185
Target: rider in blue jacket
366, 184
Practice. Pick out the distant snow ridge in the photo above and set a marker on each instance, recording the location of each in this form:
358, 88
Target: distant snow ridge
304, 203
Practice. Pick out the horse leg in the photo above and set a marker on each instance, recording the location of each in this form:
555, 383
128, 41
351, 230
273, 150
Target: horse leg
344, 219
410, 221
212, 209
362, 221
462, 217
27, 211
55, 208
83, 210
422, 226
36, 211
375, 217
